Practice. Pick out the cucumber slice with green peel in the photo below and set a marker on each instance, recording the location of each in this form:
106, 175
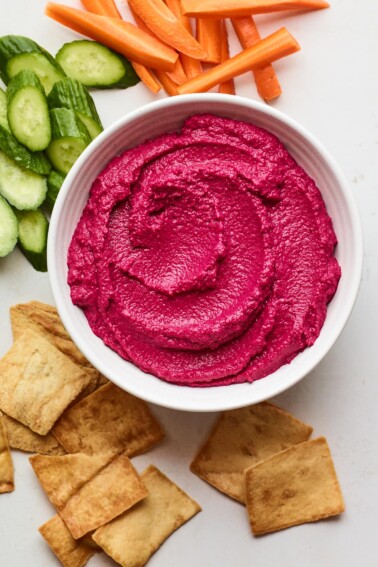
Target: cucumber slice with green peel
19, 52
33, 228
22, 188
8, 228
35, 161
95, 65
70, 93
28, 112
54, 183
69, 139
3, 110
91, 125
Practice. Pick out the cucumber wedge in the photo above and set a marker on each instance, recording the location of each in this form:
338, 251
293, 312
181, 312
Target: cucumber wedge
19, 52
8, 228
33, 227
28, 112
54, 183
70, 93
3, 110
35, 161
69, 139
23, 189
96, 65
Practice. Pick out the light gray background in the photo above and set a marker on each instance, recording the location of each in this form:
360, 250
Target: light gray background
330, 87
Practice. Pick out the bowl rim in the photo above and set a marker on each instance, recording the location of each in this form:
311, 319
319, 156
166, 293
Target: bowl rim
185, 401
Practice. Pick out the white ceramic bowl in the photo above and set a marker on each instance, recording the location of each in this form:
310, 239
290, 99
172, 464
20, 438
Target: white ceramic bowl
164, 116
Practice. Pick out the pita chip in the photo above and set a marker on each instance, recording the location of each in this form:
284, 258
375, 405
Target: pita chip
69, 551
38, 382
134, 537
293, 487
109, 420
44, 319
241, 438
6, 463
22, 438
89, 491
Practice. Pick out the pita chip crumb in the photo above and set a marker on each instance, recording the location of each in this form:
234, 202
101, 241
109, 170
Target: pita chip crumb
241, 438
109, 420
69, 551
38, 382
86, 494
293, 487
22, 438
6, 463
134, 537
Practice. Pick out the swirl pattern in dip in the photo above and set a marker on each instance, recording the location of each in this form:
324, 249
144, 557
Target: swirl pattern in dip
205, 256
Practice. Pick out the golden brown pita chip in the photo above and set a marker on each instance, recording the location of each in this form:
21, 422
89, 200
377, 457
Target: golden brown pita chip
62, 476
69, 551
86, 494
6, 463
23, 438
44, 319
242, 438
38, 382
294, 486
132, 538
109, 420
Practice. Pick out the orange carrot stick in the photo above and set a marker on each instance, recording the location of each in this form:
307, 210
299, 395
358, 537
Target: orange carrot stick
227, 87
208, 33
108, 8
159, 19
236, 8
169, 86
147, 77
177, 74
275, 46
266, 79
117, 34
102, 7
192, 67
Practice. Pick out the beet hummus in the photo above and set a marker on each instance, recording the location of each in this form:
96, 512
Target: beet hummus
205, 256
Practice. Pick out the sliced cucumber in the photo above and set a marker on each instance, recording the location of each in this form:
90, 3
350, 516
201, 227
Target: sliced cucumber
33, 227
69, 138
28, 112
22, 188
54, 183
18, 52
96, 65
70, 93
3, 110
8, 228
36, 161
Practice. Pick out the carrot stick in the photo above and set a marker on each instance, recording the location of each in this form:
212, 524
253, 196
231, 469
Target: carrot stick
147, 77
266, 79
102, 7
227, 87
169, 86
159, 19
236, 8
192, 67
279, 44
117, 34
208, 33
177, 75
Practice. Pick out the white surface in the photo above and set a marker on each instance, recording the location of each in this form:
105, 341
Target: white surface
167, 115
331, 88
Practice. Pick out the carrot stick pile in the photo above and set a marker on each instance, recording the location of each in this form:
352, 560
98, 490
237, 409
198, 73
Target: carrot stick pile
182, 45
